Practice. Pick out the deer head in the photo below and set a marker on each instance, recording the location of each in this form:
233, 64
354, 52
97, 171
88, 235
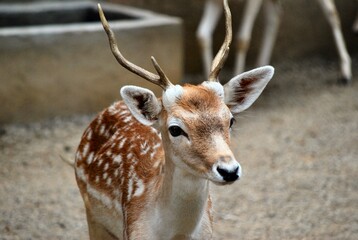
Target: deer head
195, 121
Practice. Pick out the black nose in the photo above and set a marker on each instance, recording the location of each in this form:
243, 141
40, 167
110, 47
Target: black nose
229, 176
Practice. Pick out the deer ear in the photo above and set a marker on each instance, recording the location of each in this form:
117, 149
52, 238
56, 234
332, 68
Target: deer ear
242, 91
142, 103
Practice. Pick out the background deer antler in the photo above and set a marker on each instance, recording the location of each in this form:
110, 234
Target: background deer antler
221, 56
161, 79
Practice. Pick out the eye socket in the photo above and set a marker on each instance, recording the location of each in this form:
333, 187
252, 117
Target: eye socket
232, 121
176, 131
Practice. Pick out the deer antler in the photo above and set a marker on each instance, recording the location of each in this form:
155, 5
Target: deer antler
161, 79
221, 56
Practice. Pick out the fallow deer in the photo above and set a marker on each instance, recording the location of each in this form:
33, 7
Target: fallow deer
144, 165
211, 16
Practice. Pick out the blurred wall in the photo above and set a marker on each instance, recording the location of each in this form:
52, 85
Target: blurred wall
304, 32
69, 69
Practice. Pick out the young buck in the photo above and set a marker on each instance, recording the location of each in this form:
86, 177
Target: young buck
144, 165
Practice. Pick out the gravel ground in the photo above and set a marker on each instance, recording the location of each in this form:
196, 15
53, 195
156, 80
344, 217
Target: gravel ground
298, 146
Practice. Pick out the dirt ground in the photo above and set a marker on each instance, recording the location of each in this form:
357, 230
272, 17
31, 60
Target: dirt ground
298, 146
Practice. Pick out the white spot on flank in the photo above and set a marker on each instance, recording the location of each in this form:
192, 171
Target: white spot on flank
121, 143
116, 172
152, 154
140, 188
105, 175
129, 156
81, 174
131, 170
132, 146
85, 149
107, 134
144, 148
99, 162
101, 130
109, 181
97, 179
112, 109
106, 166
118, 158
99, 120
78, 155
109, 153
89, 134
157, 145
124, 112
90, 158
126, 128
127, 119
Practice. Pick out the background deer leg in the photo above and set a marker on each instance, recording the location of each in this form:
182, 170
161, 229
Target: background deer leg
209, 20
272, 10
355, 24
252, 7
332, 16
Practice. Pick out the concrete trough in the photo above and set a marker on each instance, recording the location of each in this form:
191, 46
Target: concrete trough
55, 58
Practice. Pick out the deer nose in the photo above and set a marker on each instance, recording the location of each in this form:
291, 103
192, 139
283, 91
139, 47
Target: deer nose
229, 175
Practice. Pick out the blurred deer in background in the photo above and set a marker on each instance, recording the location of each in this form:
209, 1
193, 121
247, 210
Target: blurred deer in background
272, 10
355, 24
144, 164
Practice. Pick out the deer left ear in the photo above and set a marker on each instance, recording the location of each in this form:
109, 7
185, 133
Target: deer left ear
142, 103
242, 91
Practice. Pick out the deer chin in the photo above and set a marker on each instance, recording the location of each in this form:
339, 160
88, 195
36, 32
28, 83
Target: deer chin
214, 179
223, 183
219, 181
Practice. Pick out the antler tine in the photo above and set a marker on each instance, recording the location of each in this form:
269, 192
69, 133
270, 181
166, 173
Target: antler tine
160, 79
221, 56
163, 79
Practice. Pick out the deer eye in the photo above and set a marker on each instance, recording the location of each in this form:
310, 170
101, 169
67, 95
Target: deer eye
232, 121
176, 131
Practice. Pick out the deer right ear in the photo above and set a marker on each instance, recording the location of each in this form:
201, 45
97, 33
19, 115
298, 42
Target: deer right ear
242, 91
142, 103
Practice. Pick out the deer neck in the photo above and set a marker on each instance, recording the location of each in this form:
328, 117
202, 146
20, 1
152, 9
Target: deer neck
182, 201
179, 184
